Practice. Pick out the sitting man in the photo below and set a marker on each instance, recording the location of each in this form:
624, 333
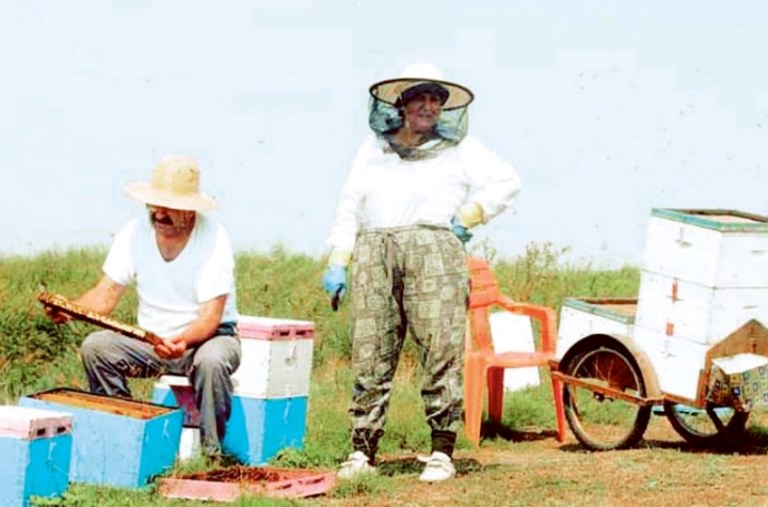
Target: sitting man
183, 267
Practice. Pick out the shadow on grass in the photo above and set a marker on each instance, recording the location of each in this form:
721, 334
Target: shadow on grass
752, 442
410, 466
497, 430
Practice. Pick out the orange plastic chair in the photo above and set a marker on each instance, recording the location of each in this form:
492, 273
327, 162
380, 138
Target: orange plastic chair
483, 365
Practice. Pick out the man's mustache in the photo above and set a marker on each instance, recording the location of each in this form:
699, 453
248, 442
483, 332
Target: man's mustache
164, 220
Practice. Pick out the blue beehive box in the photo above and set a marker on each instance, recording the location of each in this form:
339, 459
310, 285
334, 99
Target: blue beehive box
258, 428
116, 441
35, 449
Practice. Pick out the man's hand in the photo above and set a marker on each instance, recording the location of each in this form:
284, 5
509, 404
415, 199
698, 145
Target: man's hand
57, 316
171, 348
101, 298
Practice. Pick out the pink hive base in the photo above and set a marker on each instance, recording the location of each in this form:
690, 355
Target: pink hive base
228, 485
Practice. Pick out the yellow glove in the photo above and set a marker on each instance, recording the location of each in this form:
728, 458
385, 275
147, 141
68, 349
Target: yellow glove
471, 214
340, 257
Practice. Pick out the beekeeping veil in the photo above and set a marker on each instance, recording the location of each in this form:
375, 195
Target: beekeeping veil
387, 98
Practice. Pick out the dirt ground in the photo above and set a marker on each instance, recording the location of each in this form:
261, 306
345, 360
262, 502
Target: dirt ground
532, 468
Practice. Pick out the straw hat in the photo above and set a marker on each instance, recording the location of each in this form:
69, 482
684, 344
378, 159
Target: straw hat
175, 184
419, 74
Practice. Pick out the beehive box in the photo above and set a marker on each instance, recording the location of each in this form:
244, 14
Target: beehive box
695, 312
678, 364
35, 450
258, 428
276, 357
714, 248
116, 441
705, 273
580, 317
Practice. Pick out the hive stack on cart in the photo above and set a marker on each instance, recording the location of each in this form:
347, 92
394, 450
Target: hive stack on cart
271, 389
703, 290
704, 277
35, 450
694, 340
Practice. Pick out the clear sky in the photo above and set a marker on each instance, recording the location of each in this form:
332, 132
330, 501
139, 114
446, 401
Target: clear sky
606, 109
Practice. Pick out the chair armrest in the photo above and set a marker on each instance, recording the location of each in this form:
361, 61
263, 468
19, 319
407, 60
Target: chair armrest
546, 316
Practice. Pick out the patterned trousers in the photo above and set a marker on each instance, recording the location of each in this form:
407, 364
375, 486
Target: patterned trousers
407, 279
110, 357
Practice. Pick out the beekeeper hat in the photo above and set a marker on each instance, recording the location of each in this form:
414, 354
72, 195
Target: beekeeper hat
421, 77
175, 184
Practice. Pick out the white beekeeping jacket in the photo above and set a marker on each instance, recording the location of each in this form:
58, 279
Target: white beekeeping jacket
384, 190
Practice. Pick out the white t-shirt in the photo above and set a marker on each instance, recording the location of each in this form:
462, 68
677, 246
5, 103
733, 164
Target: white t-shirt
171, 293
384, 190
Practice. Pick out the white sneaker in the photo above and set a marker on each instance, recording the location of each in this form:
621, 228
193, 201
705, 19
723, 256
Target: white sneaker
357, 463
438, 467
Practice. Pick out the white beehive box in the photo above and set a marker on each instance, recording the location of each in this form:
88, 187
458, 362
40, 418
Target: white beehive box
695, 312
589, 316
705, 273
714, 248
678, 364
276, 357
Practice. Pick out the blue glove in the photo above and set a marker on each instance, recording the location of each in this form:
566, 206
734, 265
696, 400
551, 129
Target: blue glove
459, 230
335, 280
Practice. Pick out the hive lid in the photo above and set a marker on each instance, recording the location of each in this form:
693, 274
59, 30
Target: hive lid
33, 423
619, 309
275, 329
725, 220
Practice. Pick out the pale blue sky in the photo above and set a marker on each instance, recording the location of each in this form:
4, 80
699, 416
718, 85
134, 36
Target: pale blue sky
607, 109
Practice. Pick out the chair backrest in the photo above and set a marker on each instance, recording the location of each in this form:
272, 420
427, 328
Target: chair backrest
484, 292
483, 287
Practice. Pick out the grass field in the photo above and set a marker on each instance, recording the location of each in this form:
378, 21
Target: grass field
519, 463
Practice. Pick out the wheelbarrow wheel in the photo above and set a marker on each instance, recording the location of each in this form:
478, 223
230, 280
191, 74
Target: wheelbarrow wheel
706, 427
599, 421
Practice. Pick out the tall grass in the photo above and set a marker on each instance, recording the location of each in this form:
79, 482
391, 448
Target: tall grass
34, 352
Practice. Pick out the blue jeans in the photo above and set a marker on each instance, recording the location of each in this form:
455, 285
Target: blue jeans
109, 358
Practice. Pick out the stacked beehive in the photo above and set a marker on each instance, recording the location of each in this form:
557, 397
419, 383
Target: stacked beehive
269, 409
271, 389
704, 275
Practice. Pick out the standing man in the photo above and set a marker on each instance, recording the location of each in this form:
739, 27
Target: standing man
182, 264
415, 190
